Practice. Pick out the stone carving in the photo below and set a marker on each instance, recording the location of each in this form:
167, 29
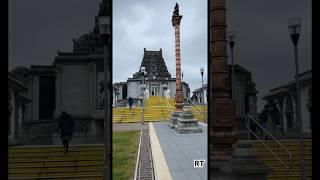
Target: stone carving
176, 10
154, 64
222, 114
176, 18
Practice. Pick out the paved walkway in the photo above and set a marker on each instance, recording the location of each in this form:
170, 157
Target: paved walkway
179, 152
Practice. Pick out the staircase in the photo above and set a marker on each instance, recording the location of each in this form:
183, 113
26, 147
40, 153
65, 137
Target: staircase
200, 112
156, 109
50, 162
279, 171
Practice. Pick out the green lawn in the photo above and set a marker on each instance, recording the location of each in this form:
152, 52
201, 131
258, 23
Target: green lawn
124, 154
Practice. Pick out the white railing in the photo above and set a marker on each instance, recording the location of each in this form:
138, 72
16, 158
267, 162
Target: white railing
167, 104
250, 118
198, 110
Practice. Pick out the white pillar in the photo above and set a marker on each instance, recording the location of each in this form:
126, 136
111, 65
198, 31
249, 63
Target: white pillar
113, 97
91, 87
237, 94
95, 87
285, 124
58, 90
12, 118
281, 110
29, 95
19, 125
205, 97
243, 97
295, 126
35, 98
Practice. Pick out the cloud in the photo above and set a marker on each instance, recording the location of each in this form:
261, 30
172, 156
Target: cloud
37, 29
148, 25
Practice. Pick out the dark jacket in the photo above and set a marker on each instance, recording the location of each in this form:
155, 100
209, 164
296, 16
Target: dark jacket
66, 125
275, 116
130, 101
263, 116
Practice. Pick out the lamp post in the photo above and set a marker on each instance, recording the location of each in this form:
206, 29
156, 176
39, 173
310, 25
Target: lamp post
232, 35
294, 26
182, 85
105, 32
144, 73
202, 71
182, 76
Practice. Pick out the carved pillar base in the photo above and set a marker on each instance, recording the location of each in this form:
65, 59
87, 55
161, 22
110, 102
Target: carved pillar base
244, 165
173, 120
186, 123
222, 133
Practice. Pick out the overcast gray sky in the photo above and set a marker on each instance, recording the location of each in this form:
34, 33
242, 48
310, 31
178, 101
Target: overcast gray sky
37, 29
147, 24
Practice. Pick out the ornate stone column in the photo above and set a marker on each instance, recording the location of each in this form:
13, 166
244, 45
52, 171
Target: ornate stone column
182, 119
176, 19
222, 109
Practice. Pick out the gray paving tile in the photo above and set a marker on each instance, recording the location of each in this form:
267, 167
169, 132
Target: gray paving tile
173, 164
191, 174
180, 150
203, 173
178, 175
186, 164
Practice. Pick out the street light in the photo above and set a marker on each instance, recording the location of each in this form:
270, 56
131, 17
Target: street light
294, 26
232, 35
144, 73
182, 85
105, 32
182, 76
202, 71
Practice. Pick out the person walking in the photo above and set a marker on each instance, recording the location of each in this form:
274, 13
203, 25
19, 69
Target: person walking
130, 102
66, 125
275, 117
263, 118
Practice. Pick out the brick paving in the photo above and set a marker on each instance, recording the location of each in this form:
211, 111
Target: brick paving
145, 169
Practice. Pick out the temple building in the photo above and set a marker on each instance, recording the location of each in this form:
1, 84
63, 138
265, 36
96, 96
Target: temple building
158, 81
73, 83
284, 97
17, 108
245, 97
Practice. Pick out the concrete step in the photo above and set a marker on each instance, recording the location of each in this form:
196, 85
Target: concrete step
75, 177
50, 162
279, 170
58, 173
